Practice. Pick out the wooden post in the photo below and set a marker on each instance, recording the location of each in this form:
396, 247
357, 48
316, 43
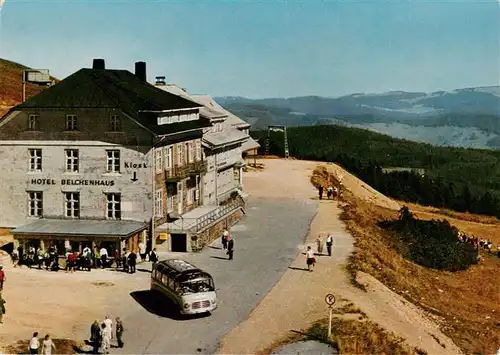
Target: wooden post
330, 322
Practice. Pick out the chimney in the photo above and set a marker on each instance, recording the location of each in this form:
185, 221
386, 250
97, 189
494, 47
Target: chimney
98, 64
160, 81
140, 70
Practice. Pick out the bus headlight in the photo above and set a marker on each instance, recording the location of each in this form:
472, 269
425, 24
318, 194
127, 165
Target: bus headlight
186, 305
214, 301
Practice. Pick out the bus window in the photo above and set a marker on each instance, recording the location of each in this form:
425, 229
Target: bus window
164, 279
195, 286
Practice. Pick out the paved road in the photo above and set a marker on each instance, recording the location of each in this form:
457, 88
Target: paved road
266, 243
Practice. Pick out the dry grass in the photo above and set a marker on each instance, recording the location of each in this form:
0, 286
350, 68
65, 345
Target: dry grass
349, 337
465, 304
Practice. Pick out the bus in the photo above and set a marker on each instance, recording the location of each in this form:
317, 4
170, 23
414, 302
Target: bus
189, 287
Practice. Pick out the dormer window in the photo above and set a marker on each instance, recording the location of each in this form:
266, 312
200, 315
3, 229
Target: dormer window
71, 123
114, 123
33, 123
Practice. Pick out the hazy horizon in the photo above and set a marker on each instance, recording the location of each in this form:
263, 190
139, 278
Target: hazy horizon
265, 50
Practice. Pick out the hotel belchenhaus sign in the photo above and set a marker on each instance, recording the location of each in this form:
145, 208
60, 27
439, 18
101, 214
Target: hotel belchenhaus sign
74, 182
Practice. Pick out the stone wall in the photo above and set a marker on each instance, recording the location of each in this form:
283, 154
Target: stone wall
206, 237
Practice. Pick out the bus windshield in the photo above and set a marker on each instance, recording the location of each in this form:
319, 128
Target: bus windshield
196, 286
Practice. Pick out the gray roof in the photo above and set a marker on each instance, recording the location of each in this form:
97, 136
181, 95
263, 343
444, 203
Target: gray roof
230, 135
250, 144
81, 227
205, 111
208, 101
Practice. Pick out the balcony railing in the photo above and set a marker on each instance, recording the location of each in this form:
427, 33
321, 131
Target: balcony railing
194, 225
178, 172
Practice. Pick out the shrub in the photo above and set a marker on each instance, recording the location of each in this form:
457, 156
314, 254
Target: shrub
433, 244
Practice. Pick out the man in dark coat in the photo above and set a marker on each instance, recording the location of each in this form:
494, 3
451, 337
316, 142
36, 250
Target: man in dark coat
230, 247
95, 336
153, 257
119, 332
132, 259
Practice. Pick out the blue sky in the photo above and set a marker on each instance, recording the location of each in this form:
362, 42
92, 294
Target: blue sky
265, 48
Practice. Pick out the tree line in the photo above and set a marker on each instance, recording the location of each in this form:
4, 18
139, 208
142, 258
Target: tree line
465, 180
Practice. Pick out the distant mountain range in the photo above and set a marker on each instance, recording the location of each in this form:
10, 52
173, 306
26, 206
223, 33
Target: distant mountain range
467, 117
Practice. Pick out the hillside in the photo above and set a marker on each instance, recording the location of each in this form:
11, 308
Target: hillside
457, 178
464, 118
11, 85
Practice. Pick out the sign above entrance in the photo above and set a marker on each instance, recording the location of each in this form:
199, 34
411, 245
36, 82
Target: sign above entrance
76, 182
130, 165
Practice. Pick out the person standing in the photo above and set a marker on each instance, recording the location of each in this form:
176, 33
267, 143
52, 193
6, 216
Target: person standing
119, 332
132, 260
142, 251
225, 235
310, 259
319, 242
153, 257
116, 258
109, 325
230, 247
2, 277
106, 339
94, 331
48, 345
320, 188
104, 256
329, 242
34, 344
2, 308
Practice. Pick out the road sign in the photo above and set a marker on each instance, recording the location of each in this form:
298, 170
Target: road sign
330, 299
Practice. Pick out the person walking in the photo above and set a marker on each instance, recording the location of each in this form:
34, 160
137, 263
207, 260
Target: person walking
119, 332
2, 308
34, 344
48, 345
230, 247
104, 257
125, 260
132, 260
2, 277
153, 257
329, 242
310, 260
105, 339
320, 188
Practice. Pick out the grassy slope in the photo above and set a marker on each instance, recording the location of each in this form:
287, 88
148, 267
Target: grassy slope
465, 304
11, 85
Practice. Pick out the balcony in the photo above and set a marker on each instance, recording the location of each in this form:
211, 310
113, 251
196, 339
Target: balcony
177, 172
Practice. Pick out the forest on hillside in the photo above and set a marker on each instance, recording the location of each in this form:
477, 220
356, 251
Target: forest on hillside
456, 178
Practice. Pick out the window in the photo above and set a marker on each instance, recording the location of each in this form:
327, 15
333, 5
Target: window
180, 154
168, 157
198, 149
35, 203
159, 203
191, 151
72, 200
35, 159
71, 123
190, 196
33, 123
113, 161
170, 198
114, 206
114, 123
197, 189
159, 159
72, 160
187, 153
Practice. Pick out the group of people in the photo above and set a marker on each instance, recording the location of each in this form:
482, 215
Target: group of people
228, 244
331, 192
85, 260
320, 242
101, 334
485, 244
44, 347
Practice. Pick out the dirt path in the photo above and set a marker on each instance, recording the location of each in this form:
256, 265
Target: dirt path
297, 300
